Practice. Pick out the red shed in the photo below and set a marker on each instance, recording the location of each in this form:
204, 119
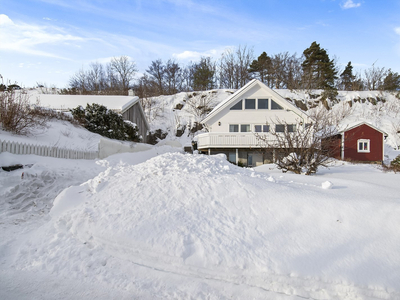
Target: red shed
362, 142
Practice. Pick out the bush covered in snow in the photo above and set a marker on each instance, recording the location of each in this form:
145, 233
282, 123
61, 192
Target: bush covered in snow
98, 119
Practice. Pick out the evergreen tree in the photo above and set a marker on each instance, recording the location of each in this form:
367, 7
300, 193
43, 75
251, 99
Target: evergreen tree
347, 78
98, 119
203, 75
391, 82
261, 68
318, 69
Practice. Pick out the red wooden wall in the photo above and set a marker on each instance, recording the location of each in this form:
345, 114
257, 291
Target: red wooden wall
363, 132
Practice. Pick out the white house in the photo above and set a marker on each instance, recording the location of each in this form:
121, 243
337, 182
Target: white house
128, 106
233, 125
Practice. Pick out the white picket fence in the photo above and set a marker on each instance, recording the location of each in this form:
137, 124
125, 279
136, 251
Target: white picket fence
20, 148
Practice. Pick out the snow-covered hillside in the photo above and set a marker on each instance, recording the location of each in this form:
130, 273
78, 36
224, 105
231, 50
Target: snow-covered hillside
381, 109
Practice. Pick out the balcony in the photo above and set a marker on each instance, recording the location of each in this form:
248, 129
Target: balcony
230, 140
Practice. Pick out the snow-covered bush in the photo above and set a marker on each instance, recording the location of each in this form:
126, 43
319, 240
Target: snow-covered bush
155, 136
98, 119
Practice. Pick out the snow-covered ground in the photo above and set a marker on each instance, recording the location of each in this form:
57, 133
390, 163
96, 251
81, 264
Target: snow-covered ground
181, 226
60, 134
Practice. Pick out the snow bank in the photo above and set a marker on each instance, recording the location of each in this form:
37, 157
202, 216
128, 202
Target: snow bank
203, 218
60, 134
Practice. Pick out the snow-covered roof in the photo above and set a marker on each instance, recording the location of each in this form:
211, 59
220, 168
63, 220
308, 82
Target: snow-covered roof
71, 101
346, 127
131, 103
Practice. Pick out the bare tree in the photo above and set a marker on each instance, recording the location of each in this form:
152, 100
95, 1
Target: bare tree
79, 81
146, 89
157, 73
234, 67
18, 115
124, 70
302, 150
187, 77
286, 71
173, 77
199, 104
96, 77
374, 77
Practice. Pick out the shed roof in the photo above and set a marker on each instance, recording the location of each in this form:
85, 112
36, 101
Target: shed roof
357, 124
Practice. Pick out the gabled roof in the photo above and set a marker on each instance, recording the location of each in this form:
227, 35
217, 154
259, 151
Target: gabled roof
357, 124
239, 93
131, 103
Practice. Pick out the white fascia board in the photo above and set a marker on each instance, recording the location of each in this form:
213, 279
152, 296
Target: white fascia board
354, 125
129, 104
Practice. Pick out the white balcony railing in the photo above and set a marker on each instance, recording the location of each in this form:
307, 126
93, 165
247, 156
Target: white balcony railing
230, 140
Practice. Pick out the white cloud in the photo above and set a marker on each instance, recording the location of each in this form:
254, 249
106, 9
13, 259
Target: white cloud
28, 38
195, 55
5, 20
350, 4
397, 30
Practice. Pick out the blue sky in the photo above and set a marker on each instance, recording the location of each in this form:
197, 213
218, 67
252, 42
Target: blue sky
47, 41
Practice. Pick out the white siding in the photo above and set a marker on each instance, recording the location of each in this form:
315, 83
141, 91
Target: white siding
253, 116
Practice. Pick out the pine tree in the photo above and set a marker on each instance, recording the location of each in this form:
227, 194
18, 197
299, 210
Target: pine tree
261, 68
347, 77
391, 82
318, 70
203, 75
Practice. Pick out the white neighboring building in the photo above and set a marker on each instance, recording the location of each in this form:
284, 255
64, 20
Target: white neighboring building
233, 124
128, 106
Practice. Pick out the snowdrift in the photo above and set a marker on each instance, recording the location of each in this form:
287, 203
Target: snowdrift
203, 219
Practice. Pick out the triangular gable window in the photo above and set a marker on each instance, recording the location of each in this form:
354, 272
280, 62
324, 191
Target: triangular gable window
237, 106
275, 105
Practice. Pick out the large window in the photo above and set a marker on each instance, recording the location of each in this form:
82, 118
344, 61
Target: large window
275, 105
291, 127
233, 128
245, 128
279, 128
250, 104
262, 103
261, 128
363, 145
237, 106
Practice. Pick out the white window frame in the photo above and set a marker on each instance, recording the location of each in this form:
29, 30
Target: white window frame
363, 141
245, 103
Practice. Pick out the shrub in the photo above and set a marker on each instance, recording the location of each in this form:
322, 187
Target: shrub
395, 164
98, 119
18, 115
154, 137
